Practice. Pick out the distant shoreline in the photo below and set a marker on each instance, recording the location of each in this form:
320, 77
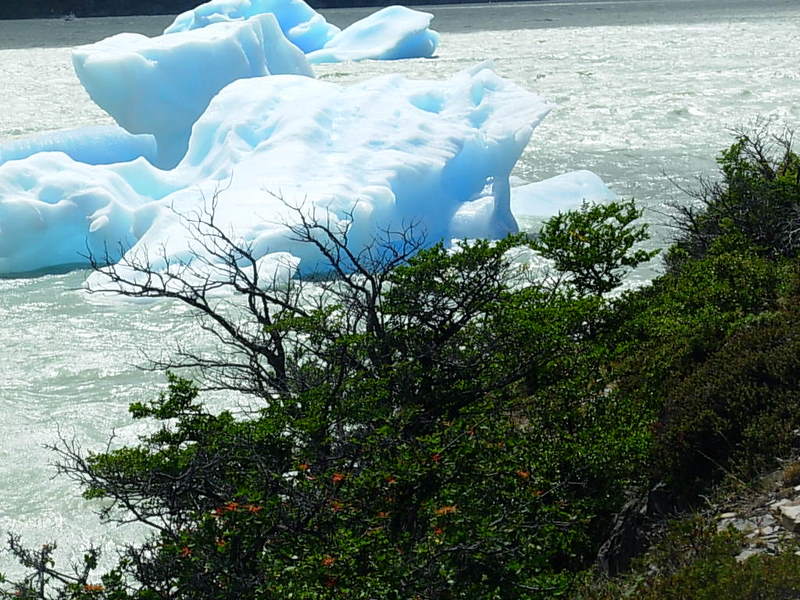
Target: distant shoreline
59, 9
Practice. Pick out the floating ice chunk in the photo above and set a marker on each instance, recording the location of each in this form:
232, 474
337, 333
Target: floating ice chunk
161, 85
544, 199
301, 24
391, 33
381, 153
99, 145
53, 211
531, 203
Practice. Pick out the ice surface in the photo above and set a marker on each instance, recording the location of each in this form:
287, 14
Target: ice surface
301, 24
161, 85
391, 33
53, 210
385, 152
531, 203
544, 199
97, 145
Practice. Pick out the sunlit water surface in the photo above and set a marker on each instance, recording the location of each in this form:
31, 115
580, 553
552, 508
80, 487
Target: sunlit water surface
646, 94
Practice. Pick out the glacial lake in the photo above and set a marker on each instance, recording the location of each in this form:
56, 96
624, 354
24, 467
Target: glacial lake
647, 93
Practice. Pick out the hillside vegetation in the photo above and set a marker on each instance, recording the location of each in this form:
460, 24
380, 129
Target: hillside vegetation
445, 425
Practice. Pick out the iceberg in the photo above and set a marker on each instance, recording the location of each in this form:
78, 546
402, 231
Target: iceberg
531, 203
96, 145
55, 211
391, 33
381, 153
160, 86
544, 199
301, 24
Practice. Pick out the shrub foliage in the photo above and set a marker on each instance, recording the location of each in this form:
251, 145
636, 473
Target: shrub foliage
438, 424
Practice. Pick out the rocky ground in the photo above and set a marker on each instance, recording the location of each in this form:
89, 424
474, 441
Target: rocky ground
770, 519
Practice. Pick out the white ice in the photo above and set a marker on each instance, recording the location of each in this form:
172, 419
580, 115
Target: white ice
54, 211
161, 86
301, 24
545, 199
385, 152
391, 33
96, 145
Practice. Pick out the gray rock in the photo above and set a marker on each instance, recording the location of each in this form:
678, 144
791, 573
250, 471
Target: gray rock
747, 553
790, 517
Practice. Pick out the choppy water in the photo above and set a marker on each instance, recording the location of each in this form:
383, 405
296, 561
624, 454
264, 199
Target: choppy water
646, 91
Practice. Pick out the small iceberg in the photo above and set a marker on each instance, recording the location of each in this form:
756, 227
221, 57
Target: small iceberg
391, 33
301, 24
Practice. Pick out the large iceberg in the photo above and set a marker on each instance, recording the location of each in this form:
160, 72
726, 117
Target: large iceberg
391, 33
161, 86
301, 24
381, 153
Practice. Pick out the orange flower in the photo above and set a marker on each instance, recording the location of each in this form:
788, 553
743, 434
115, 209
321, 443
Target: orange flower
446, 510
337, 477
524, 474
436, 457
93, 587
438, 530
186, 551
383, 515
231, 506
328, 561
220, 542
303, 466
254, 508
391, 480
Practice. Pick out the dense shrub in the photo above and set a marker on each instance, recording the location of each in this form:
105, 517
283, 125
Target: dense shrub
431, 426
736, 411
663, 331
754, 206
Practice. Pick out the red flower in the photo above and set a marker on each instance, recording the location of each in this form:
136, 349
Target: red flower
337, 477
446, 510
524, 474
436, 457
328, 561
186, 551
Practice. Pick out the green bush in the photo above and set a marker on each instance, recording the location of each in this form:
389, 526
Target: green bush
662, 332
736, 411
755, 206
431, 427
